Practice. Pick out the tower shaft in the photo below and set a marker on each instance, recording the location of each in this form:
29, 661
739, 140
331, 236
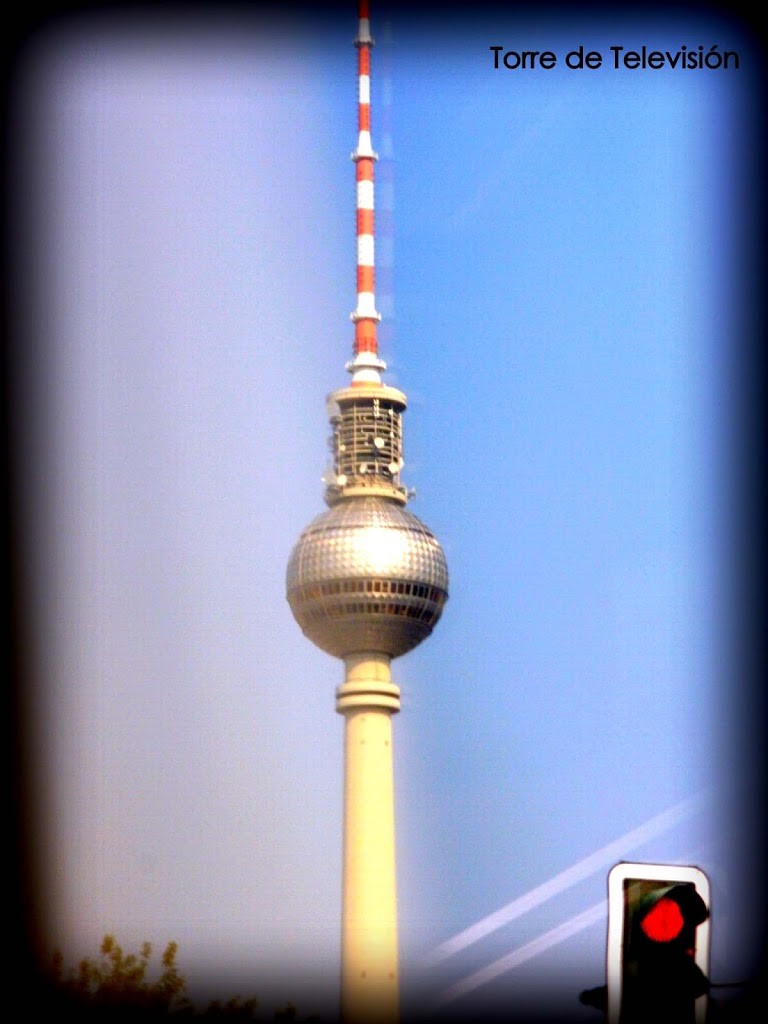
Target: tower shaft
369, 958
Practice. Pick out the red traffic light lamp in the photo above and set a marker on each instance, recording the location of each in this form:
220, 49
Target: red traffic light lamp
664, 921
658, 944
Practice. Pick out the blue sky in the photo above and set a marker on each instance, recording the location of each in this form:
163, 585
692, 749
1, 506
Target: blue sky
564, 284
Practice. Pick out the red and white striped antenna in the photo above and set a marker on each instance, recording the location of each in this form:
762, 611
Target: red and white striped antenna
366, 366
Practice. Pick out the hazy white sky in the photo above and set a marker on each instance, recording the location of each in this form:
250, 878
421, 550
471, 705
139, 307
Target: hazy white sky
565, 250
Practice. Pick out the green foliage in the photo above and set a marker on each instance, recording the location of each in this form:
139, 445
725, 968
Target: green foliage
119, 981
117, 985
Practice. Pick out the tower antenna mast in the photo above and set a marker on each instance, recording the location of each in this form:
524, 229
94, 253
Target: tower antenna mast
367, 582
366, 366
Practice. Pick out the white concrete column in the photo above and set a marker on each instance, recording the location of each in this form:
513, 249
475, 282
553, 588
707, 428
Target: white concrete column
369, 964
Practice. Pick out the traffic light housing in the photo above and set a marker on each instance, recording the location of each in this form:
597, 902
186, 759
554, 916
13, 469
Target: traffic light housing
658, 944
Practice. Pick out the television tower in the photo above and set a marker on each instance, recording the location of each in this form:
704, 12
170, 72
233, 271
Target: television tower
367, 581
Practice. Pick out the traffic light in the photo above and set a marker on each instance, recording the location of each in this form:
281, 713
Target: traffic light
658, 944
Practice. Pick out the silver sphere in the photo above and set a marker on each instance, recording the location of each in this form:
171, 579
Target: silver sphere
366, 576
